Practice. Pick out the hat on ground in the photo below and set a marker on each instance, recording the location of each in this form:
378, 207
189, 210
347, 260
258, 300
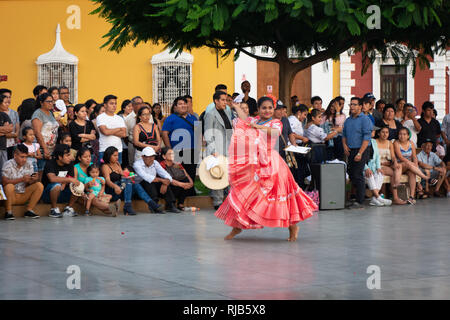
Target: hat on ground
213, 172
77, 190
148, 152
369, 95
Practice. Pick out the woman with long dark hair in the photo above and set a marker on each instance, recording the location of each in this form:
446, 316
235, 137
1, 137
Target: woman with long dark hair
81, 130
126, 110
145, 134
263, 192
158, 115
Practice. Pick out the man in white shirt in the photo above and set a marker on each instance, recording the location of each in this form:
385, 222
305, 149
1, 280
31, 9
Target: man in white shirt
299, 114
154, 179
111, 127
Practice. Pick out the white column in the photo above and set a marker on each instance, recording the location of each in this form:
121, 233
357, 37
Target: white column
245, 68
346, 81
322, 81
438, 82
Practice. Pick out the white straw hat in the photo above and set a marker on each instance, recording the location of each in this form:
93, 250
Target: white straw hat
213, 172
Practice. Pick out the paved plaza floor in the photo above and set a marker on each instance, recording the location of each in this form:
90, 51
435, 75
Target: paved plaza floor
184, 256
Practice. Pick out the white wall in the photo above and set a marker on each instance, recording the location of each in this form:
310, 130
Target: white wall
322, 81
245, 68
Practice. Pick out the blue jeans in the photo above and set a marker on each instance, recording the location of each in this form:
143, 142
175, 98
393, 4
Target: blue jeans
100, 157
130, 189
64, 196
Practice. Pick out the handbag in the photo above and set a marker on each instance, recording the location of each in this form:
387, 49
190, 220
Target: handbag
290, 158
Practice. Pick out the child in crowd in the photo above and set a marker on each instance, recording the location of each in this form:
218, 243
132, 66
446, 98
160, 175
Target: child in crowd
34, 152
95, 189
65, 138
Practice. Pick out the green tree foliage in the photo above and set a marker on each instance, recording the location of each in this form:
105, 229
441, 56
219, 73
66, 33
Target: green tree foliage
315, 30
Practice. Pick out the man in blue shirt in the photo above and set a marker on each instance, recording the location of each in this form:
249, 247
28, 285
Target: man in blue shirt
355, 139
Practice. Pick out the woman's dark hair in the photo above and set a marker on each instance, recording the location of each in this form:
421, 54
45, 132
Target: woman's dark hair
62, 136
314, 113
123, 106
262, 100
160, 116
94, 113
43, 96
380, 127
91, 167
328, 114
2, 97
388, 106
140, 113
25, 131
77, 109
108, 153
398, 101
164, 151
89, 103
51, 89
80, 153
407, 131
26, 109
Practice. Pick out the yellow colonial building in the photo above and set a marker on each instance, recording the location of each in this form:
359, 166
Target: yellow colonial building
35, 50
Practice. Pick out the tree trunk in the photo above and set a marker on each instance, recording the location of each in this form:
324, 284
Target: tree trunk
286, 75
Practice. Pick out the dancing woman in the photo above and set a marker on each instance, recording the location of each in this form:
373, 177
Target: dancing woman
263, 192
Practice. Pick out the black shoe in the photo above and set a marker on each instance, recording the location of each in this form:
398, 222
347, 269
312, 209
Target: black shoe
54, 213
9, 216
30, 214
128, 209
159, 210
173, 209
355, 205
216, 207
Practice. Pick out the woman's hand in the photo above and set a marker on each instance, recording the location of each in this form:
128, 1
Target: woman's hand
117, 189
368, 173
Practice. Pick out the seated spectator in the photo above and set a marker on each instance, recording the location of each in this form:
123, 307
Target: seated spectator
145, 133
388, 161
399, 109
82, 131
20, 183
120, 186
34, 154
406, 155
431, 128
45, 125
155, 180
58, 174
410, 122
374, 177
181, 181
299, 114
95, 190
25, 110
446, 160
378, 112
430, 162
6, 127
389, 121
82, 161
111, 127
317, 135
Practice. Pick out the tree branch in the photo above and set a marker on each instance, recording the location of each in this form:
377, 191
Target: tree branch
258, 57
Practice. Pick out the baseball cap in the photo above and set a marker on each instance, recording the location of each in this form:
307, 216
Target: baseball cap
148, 152
280, 105
369, 95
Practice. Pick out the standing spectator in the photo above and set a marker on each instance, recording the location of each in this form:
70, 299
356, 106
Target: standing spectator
388, 161
81, 131
446, 129
34, 153
316, 103
155, 181
21, 183
218, 132
37, 91
446, 160
410, 122
178, 134
356, 138
405, 151
371, 109
190, 106
25, 110
212, 105
252, 107
11, 138
120, 186
130, 123
145, 133
399, 105
45, 126
90, 105
389, 121
294, 102
58, 174
125, 110
111, 127
71, 114
98, 110
367, 108
431, 128
429, 161
378, 112
181, 181
157, 115
6, 128
54, 92
64, 95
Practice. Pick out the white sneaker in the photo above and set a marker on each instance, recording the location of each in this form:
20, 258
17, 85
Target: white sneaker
386, 202
69, 212
375, 202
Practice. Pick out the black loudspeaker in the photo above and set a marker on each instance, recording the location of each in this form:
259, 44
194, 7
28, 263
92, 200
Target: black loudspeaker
329, 180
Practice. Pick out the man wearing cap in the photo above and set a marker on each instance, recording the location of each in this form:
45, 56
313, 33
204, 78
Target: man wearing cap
155, 181
429, 160
218, 132
21, 183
